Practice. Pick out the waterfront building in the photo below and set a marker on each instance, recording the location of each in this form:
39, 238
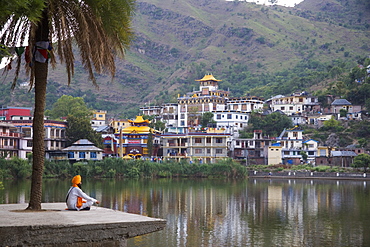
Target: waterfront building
9, 140
290, 143
311, 148
82, 150
54, 137
274, 154
138, 139
197, 145
253, 150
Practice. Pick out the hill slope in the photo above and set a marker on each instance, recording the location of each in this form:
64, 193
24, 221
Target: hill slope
245, 45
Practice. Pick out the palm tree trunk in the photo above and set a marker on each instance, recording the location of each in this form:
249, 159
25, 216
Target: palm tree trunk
38, 146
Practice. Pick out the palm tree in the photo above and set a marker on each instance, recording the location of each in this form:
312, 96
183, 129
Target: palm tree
100, 29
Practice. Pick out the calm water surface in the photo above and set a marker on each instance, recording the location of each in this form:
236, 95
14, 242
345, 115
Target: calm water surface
251, 212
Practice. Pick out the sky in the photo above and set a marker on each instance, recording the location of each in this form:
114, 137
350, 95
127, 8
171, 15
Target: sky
286, 3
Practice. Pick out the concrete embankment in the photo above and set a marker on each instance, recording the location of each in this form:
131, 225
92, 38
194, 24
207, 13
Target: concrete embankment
309, 175
55, 226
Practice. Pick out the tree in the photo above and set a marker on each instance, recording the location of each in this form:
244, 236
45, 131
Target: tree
343, 112
272, 124
207, 118
80, 128
304, 156
69, 106
361, 160
100, 29
332, 124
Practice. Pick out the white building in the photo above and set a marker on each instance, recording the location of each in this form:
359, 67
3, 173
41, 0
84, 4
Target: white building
229, 113
83, 149
297, 103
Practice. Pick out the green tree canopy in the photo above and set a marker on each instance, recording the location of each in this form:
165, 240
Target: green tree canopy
69, 106
332, 124
155, 123
80, 128
207, 118
272, 124
361, 160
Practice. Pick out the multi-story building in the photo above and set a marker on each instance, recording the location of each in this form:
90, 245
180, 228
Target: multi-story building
118, 124
98, 119
133, 140
16, 113
196, 145
9, 140
297, 103
290, 142
254, 150
54, 137
232, 114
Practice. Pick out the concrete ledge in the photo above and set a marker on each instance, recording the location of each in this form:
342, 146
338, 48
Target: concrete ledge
55, 226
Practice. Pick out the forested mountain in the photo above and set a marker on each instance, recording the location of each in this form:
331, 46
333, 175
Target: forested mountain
253, 49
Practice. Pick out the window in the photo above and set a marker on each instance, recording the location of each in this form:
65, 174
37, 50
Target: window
93, 155
229, 116
182, 123
71, 155
198, 150
218, 140
208, 150
219, 151
311, 153
182, 116
198, 140
291, 108
218, 116
237, 143
82, 155
208, 140
282, 108
29, 143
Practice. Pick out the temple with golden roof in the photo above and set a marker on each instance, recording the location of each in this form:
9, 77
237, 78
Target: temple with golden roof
134, 140
231, 114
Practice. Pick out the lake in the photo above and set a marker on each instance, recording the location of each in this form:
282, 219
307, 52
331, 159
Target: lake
218, 212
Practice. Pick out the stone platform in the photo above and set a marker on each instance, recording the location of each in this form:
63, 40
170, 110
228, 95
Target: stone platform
55, 226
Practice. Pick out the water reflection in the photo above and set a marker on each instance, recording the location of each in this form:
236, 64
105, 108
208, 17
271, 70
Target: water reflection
254, 212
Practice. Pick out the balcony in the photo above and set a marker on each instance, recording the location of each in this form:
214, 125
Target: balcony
7, 134
176, 144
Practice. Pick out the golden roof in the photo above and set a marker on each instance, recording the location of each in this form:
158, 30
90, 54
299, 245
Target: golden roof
137, 129
208, 78
139, 119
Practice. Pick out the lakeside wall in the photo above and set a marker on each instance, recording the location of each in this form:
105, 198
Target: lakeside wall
309, 174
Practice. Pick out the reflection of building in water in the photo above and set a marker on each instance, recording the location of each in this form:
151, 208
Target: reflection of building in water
275, 197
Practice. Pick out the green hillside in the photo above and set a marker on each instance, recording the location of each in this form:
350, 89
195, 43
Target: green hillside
253, 49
